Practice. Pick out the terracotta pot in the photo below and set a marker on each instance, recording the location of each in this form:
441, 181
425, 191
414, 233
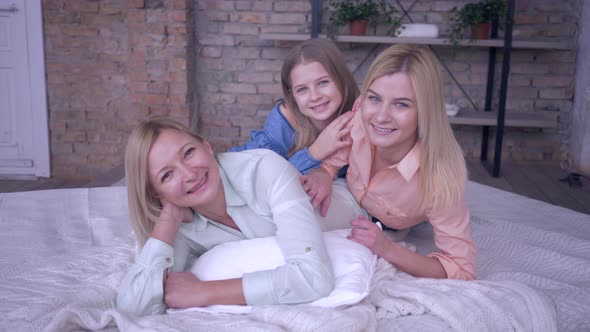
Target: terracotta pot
358, 28
480, 31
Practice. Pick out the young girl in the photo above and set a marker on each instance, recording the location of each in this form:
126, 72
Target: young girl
405, 165
317, 88
183, 200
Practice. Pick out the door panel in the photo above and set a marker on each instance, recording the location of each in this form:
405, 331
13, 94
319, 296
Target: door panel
19, 148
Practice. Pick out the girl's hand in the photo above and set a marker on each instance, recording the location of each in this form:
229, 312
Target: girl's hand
334, 137
318, 186
370, 235
184, 290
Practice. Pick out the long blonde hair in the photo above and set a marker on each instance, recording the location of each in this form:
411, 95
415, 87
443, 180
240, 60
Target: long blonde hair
443, 173
144, 206
328, 55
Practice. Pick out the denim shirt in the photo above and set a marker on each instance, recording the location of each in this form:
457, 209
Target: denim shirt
279, 136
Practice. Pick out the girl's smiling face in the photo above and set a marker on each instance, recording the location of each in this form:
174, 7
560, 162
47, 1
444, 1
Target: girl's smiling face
390, 114
315, 92
183, 170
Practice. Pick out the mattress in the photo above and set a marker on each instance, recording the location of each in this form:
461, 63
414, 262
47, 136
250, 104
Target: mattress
64, 252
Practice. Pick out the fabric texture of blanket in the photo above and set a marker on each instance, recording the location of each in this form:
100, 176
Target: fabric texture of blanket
65, 252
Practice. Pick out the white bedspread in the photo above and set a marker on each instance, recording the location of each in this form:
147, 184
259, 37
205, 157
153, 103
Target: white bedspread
63, 253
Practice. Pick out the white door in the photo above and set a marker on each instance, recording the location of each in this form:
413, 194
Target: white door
24, 148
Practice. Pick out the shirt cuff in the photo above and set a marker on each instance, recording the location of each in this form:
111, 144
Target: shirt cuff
304, 162
257, 288
156, 254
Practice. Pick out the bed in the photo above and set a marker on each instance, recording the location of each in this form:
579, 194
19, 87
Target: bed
64, 252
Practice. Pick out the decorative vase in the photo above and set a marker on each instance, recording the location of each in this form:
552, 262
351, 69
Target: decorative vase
480, 31
358, 28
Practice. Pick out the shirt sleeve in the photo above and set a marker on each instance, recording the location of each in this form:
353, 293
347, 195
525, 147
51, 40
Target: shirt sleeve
142, 290
304, 162
278, 135
452, 235
307, 274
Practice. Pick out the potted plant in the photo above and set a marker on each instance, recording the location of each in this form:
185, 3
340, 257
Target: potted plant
477, 18
359, 14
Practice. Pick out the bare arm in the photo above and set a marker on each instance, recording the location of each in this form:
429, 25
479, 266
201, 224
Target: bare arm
185, 290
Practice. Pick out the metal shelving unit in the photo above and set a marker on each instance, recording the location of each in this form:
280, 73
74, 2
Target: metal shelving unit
486, 119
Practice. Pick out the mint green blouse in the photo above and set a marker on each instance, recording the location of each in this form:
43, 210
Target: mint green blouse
264, 197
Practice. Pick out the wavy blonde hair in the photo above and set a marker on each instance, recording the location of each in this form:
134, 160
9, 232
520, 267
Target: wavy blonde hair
443, 173
328, 55
144, 206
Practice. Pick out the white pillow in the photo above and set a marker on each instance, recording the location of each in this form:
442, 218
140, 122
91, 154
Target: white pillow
353, 266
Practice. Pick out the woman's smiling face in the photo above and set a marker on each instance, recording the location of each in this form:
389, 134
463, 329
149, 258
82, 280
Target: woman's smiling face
390, 114
183, 170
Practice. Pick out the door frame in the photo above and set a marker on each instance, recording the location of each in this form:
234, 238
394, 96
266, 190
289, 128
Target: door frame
38, 86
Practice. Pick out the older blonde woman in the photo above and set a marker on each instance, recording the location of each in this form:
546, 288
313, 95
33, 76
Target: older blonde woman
184, 200
405, 165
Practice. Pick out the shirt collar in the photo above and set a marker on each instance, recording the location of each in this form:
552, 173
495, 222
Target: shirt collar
232, 198
410, 163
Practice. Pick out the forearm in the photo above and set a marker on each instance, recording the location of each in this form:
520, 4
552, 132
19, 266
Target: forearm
228, 291
414, 263
165, 231
301, 279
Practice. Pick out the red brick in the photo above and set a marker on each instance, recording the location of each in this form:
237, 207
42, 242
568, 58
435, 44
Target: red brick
136, 3
292, 6
241, 17
287, 19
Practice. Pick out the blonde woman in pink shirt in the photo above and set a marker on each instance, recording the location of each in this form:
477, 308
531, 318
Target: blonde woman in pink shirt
405, 166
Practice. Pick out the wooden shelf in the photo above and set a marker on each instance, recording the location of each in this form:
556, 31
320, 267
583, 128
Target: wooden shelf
422, 41
522, 120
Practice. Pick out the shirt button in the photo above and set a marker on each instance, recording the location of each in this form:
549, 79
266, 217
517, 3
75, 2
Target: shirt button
307, 249
168, 260
388, 213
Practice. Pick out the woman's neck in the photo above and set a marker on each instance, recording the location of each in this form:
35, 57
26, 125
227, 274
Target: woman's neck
217, 210
385, 157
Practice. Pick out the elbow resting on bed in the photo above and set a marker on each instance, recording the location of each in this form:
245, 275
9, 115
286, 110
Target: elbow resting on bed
317, 281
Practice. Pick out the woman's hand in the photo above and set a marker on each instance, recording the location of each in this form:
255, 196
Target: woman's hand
184, 290
318, 186
169, 221
334, 137
174, 214
370, 235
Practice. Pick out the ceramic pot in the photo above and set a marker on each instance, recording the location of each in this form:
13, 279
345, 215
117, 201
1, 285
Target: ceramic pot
358, 28
480, 31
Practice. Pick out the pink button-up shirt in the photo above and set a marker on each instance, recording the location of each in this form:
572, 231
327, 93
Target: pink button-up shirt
393, 196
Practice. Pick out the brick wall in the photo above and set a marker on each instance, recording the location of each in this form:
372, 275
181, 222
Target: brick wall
110, 63
238, 73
